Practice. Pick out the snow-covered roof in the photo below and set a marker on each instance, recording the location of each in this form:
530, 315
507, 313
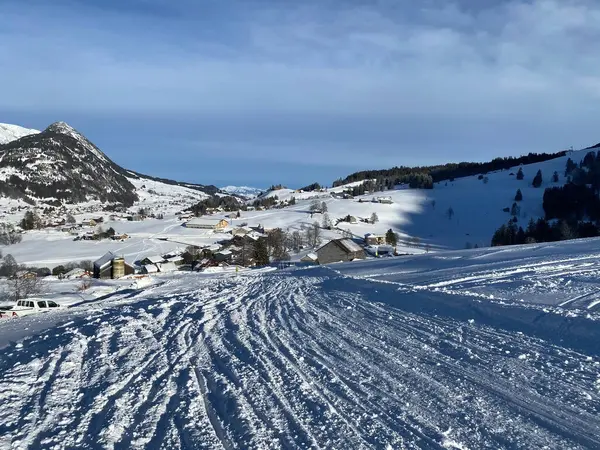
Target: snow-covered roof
108, 256
154, 259
175, 259
167, 267
310, 257
150, 268
225, 252
75, 273
349, 245
205, 221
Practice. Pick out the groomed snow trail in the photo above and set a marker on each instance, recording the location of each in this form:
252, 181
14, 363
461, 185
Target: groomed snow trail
306, 359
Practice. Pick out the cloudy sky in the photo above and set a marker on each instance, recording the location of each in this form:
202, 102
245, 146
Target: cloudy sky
262, 91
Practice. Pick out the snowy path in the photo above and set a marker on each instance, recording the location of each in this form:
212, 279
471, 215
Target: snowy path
305, 359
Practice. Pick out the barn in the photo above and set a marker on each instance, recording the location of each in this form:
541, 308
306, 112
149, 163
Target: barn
208, 223
340, 250
112, 266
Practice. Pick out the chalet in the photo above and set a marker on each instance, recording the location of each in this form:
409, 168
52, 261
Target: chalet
112, 266
149, 268
154, 259
223, 255
352, 219
311, 258
386, 200
120, 237
374, 239
207, 223
340, 250
167, 267
178, 260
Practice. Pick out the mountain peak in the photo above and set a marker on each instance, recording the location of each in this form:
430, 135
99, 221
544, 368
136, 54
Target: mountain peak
62, 128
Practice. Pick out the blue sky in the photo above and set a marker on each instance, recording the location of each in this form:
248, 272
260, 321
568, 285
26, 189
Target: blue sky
258, 92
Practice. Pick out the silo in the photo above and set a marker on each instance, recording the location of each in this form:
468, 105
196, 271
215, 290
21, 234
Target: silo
118, 268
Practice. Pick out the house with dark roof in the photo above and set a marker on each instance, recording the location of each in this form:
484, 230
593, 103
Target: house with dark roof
340, 250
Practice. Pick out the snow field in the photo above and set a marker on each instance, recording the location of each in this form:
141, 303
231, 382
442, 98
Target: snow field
396, 353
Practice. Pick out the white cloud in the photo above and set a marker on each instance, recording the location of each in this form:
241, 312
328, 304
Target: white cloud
534, 60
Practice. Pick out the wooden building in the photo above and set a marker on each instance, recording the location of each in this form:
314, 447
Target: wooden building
340, 250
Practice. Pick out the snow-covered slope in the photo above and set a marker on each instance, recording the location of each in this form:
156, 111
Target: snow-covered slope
242, 191
9, 133
461, 350
477, 206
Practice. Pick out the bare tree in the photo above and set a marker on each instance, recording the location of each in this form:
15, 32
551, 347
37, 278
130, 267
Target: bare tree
9, 266
313, 235
9, 235
297, 241
84, 285
25, 286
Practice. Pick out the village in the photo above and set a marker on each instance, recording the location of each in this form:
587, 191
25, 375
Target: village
293, 228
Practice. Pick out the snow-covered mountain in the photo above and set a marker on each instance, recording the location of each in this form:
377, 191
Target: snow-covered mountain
242, 191
9, 133
61, 164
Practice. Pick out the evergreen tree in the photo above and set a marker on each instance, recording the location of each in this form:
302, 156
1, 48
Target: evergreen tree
450, 213
30, 221
555, 177
323, 207
518, 196
570, 167
374, 218
520, 174
515, 210
70, 219
261, 253
537, 180
391, 238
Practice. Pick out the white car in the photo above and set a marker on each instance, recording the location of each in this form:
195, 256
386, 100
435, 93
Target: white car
27, 307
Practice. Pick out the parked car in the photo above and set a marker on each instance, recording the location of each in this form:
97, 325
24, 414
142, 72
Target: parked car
28, 307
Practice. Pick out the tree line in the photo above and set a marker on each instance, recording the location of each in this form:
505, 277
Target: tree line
570, 211
425, 176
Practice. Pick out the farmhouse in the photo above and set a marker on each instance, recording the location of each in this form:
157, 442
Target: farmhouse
340, 250
149, 268
112, 266
153, 259
223, 255
374, 239
207, 223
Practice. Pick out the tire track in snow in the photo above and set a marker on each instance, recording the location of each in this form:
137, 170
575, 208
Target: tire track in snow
295, 360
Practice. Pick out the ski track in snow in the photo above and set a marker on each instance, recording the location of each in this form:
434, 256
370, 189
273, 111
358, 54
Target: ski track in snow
304, 359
